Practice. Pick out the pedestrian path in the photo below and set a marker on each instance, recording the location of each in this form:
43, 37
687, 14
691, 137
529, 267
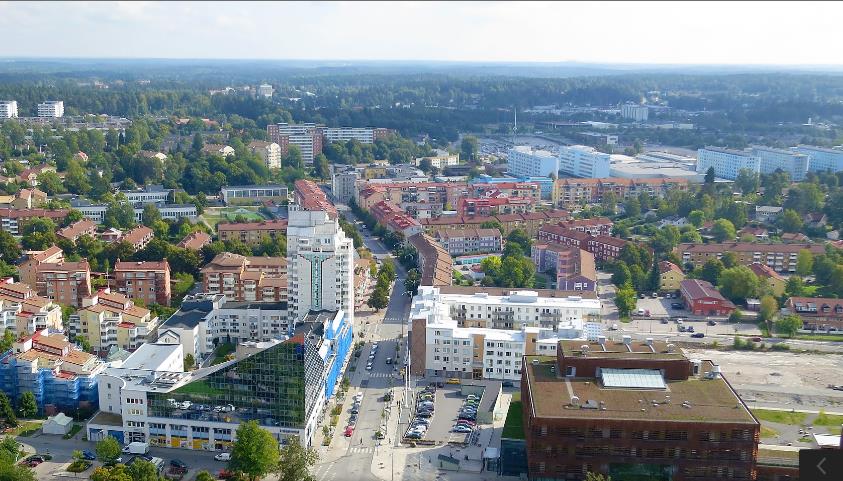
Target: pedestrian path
361, 450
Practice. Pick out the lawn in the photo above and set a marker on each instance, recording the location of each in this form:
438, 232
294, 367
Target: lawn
26, 429
513, 428
781, 417
222, 351
824, 419
820, 337
214, 216
767, 432
198, 387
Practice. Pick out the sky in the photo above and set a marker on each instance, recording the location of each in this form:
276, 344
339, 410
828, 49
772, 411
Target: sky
777, 33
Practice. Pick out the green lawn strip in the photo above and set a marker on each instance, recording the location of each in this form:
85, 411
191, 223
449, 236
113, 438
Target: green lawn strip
513, 428
780, 417
824, 419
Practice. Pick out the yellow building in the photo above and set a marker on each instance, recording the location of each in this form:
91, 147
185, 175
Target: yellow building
109, 320
774, 281
670, 277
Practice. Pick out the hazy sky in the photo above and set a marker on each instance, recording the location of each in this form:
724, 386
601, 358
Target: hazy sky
602, 32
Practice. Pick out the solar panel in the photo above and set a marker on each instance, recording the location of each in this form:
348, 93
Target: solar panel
632, 378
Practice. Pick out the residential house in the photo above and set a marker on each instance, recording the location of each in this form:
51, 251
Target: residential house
670, 276
774, 281
817, 313
702, 299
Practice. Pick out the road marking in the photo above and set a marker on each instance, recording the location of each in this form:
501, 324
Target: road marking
358, 450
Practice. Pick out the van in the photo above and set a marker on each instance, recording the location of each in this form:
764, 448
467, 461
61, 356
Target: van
136, 448
640, 312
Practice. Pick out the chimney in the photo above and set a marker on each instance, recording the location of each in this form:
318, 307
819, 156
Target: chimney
602, 341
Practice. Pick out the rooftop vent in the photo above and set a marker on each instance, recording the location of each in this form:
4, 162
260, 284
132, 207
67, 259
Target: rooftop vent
575, 401
671, 348
627, 339
584, 348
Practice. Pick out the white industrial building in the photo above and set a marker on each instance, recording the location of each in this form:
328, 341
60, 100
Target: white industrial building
727, 163
8, 109
638, 113
51, 109
265, 90
320, 264
523, 161
822, 159
584, 161
483, 336
771, 159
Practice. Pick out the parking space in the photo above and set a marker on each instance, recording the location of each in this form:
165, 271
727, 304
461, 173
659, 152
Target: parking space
660, 307
447, 403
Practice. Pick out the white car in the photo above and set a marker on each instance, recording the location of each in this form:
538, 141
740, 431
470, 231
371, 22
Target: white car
368, 367
223, 457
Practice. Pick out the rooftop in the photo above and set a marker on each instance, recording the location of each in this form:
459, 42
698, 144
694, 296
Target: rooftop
697, 399
150, 356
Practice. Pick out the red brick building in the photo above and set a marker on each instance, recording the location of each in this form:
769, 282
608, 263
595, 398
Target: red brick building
702, 299
603, 247
148, 282
817, 312
633, 410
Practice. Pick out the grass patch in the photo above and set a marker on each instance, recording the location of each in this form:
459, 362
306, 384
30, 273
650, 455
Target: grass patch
819, 337
79, 466
199, 387
26, 429
73, 431
222, 351
513, 428
768, 432
805, 439
824, 419
781, 417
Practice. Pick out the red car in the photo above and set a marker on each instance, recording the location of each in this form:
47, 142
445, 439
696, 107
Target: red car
225, 474
349, 430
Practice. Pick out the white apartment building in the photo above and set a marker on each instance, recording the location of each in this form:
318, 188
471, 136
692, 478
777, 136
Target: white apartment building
320, 264
455, 335
307, 137
523, 161
584, 161
247, 194
440, 159
8, 109
344, 184
51, 108
96, 212
265, 90
822, 159
638, 113
269, 152
151, 194
727, 163
364, 135
770, 160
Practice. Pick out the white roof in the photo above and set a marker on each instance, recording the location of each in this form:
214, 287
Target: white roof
632, 378
827, 440
151, 356
60, 419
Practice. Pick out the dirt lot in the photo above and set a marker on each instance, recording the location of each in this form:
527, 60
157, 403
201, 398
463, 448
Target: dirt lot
781, 379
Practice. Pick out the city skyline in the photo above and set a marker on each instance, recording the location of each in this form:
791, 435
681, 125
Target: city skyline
782, 34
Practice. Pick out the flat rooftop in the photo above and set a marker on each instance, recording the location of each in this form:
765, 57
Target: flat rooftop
710, 400
616, 349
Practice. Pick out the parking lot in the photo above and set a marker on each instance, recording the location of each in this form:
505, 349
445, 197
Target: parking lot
447, 403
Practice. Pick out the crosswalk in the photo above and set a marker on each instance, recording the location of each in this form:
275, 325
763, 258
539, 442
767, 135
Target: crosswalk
380, 374
360, 450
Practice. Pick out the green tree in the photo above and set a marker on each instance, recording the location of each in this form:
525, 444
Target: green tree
709, 176
736, 316
50, 183
255, 452
9, 249
738, 283
7, 340
788, 325
625, 300
729, 259
790, 221
521, 238
189, 361
723, 230
654, 282
379, 298
28, 407
697, 218
632, 208
6, 410
621, 274
804, 262
795, 287
591, 476
150, 215
517, 271
747, 181
142, 470
120, 215
293, 158
321, 169
38, 234
295, 462
205, 476
412, 282
469, 148
711, 270
768, 308
108, 450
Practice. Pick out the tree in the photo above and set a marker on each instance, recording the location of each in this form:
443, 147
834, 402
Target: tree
788, 325
632, 208
28, 407
142, 470
120, 215
738, 283
150, 215
591, 476
521, 238
6, 410
295, 461
795, 287
625, 300
205, 476
108, 450
469, 148
412, 282
768, 308
729, 259
189, 361
804, 262
621, 274
709, 175
293, 158
321, 169
790, 221
379, 298
711, 271
38, 234
9, 249
50, 183
696, 217
7, 340
255, 452
655, 280
723, 230
516, 271
747, 181
736, 316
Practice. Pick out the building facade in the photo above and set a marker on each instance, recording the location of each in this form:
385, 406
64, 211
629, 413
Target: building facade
702, 299
307, 137
794, 163
584, 161
638, 113
269, 152
241, 278
780, 257
523, 161
727, 163
470, 241
251, 232
148, 282
8, 109
51, 109
822, 159
253, 194
111, 321
344, 184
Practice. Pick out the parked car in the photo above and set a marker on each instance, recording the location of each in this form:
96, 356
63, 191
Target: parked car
349, 430
424, 414
755, 339
88, 456
355, 410
655, 295
453, 380
424, 421
712, 323
690, 328
411, 435
461, 429
698, 335
223, 457
506, 384
664, 321
369, 367
177, 463
676, 305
